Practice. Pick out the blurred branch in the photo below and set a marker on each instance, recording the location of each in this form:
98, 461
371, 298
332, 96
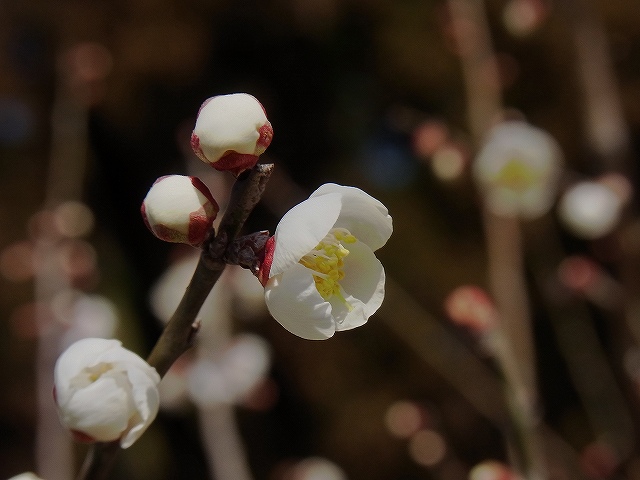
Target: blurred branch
65, 181
503, 238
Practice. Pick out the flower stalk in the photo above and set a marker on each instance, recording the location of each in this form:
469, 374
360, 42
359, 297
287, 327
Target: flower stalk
177, 337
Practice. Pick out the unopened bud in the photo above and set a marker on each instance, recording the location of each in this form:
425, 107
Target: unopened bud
231, 132
471, 307
179, 209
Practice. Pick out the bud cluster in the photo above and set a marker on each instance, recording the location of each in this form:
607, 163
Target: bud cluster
230, 134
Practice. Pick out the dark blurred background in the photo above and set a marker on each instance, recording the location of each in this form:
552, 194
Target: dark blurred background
345, 85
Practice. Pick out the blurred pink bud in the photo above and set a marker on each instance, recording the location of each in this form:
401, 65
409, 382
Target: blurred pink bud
105, 392
179, 209
599, 460
471, 307
231, 132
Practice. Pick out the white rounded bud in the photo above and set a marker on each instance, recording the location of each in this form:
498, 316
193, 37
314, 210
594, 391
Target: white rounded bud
590, 209
105, 392
231, 131
179, 209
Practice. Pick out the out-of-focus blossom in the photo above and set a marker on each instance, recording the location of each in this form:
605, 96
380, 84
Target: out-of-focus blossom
320, 273
492, 470
449, 161
231, 132
105, 392
599, 460
179, 209
522, 17
471, 307
590, 209
317, 468
25, 476
517, 170
427, 447
226, 380
73, 219
86, 315
403, 419
237, 285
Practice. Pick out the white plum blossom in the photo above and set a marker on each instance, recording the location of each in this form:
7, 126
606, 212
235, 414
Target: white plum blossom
320, 273
105, 392
179, 209
517, 170
231, 132
590, 209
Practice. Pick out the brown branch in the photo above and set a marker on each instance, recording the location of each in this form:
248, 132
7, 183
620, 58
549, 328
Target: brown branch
177, 336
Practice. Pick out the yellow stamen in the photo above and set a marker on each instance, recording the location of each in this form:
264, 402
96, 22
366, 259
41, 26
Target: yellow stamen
327, 260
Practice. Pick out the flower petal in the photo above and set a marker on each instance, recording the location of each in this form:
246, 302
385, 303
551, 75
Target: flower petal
361, 214
293, 300
302, 228
84, 353
99, 410
147, 401
363, 284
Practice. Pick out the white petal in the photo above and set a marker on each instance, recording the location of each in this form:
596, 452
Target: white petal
84, 353
100, 410
147, 402
361, 214
302, 228
363, 284
293, 300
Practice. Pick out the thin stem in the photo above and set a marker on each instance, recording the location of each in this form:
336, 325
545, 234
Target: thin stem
177, 337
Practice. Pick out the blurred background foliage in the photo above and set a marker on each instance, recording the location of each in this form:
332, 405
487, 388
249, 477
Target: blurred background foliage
345, 83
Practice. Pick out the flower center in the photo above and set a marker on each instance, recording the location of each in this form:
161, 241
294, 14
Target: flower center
327, 261
517, 175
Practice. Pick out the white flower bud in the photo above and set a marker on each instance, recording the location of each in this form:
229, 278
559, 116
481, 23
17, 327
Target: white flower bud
179, 209
105, 392
231, 131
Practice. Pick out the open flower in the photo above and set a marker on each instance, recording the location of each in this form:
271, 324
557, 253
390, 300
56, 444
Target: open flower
517, 170
179, 209
320, 273
105, 392
231, 132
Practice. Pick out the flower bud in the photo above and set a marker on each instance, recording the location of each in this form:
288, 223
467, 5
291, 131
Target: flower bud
179, 209
471, 307
231, 132
590, 209
105, 392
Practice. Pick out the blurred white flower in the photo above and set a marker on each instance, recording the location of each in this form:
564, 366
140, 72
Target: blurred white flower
86, 315
228, 379
105, 392
179, 209
25, 476
590, 209
320, 273
231, 132
317, 468
517, 170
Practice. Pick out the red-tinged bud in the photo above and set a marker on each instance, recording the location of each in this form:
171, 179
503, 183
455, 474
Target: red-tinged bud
179, 209
82, 437
231, 132
471, 307
265, 267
